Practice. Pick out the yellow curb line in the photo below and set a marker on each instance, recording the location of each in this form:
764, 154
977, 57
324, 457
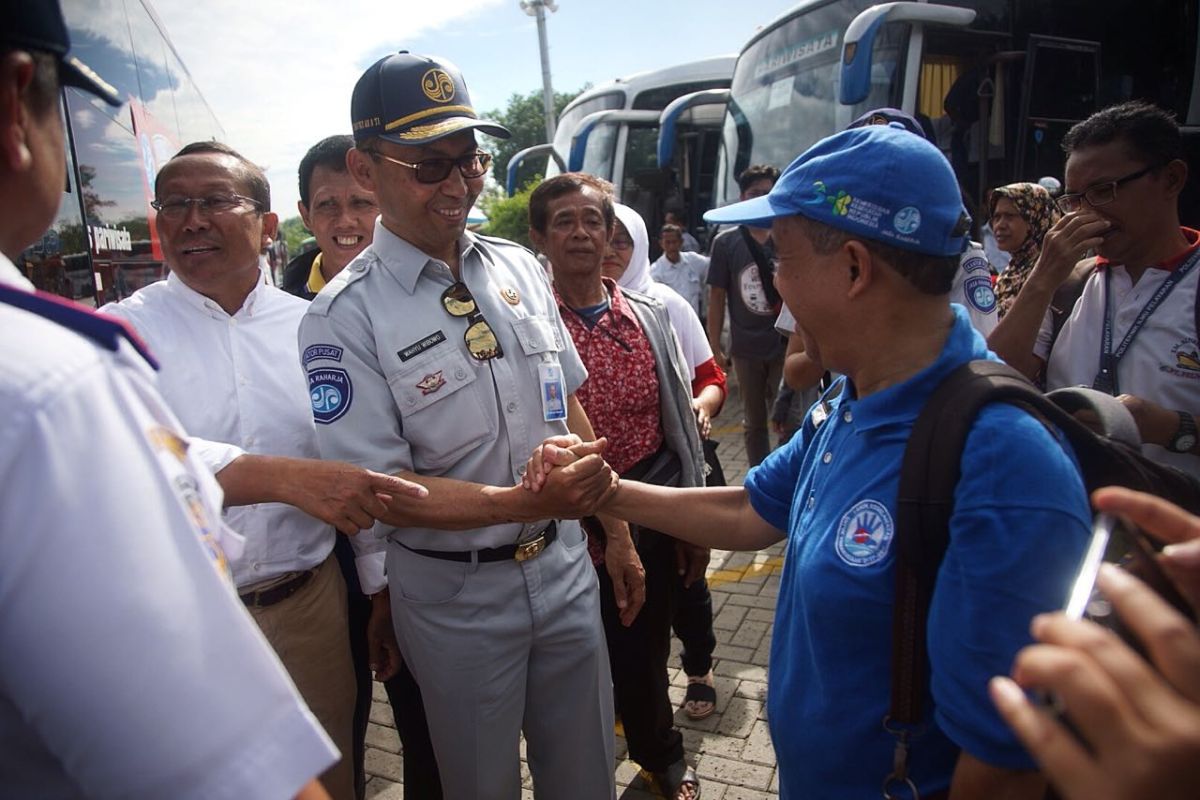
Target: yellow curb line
723, 576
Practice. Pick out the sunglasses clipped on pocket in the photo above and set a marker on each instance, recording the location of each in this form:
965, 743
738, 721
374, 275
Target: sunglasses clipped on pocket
481, 340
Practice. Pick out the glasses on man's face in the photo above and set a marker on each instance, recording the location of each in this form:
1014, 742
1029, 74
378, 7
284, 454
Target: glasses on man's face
436, 170
480, 338
176, 208
1101, 194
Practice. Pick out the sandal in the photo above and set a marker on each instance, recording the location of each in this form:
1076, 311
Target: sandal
700, 701
677, 778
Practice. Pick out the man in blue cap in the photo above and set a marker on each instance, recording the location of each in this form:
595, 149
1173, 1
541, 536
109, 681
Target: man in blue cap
440, 355
869, 227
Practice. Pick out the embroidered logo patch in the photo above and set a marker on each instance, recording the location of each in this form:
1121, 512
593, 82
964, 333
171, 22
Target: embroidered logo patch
431, 383
980, 294
976, 264
907, 220
1185, 360
327, 352
331, 394
864, 534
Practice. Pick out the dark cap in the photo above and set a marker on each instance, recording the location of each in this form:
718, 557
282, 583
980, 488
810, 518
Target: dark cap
414, 100
886, 116
37, 25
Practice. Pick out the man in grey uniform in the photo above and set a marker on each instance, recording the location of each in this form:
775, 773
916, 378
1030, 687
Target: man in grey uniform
439, 355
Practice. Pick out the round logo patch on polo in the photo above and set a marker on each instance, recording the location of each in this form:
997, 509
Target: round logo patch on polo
864, 534
907, 220
438, 86
331, 393
980, 294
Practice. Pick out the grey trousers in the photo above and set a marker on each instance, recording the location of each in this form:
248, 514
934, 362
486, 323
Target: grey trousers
758, 382
505, 647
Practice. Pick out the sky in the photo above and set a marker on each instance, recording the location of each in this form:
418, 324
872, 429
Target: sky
278, 73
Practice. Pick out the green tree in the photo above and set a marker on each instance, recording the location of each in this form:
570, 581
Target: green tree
293, 232
525, 116
508, 217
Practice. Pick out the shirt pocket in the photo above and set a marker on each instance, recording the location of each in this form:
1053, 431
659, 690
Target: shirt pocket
445, 408
538, 335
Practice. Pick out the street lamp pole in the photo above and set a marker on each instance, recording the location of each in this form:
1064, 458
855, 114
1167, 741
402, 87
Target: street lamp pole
537, 9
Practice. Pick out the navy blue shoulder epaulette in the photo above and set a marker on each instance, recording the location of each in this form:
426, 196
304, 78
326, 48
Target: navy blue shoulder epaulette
107, 332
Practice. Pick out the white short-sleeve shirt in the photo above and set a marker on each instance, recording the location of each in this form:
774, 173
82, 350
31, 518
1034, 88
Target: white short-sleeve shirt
128, 666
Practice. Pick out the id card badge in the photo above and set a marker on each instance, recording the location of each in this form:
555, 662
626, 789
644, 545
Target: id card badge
554, 394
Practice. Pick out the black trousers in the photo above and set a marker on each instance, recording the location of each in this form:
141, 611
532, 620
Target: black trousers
693, 624
638, 657
421, 779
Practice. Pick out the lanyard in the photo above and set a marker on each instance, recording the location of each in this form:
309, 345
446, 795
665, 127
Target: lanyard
1106, 377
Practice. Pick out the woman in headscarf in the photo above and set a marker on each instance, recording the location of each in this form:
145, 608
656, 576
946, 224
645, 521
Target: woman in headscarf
1020, 214
627, 261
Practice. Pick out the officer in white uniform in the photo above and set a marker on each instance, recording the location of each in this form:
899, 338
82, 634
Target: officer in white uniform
439, 355
128, 666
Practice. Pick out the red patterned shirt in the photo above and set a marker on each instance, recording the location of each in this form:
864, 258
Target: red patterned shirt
620, 394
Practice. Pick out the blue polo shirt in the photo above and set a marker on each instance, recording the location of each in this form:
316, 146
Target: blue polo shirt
1020, 525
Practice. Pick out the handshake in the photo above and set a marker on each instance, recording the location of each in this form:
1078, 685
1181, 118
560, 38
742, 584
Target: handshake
570, 477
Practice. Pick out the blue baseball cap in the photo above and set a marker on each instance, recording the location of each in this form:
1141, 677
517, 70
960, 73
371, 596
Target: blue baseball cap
879, 182
414, 100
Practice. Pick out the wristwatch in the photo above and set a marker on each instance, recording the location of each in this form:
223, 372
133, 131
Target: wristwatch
1185, 435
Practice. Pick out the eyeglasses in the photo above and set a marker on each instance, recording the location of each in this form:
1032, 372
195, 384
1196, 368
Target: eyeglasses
176, 208
436, 170
620, 243
1101, 194
480, 338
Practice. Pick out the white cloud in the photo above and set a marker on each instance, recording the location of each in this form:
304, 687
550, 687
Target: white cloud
278, 74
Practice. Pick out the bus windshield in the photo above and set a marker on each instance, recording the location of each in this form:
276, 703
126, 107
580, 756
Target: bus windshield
784, 92
572, 116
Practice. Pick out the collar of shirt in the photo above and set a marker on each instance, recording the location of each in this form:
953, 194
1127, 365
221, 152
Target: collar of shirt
903, 401
1193, 237
316, 281
404, 261
618, 305
11, 276
193, 298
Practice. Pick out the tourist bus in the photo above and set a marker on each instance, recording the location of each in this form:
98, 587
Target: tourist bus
612, 131
996, 82
104, 245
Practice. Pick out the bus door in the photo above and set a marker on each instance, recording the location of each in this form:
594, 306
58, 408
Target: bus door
1060, 87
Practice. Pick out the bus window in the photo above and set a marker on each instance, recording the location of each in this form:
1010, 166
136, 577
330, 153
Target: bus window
601, 149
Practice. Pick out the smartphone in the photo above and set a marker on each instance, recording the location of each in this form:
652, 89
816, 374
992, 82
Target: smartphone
1119, 542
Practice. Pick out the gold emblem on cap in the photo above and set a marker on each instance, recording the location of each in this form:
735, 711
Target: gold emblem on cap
510, 295
438, 86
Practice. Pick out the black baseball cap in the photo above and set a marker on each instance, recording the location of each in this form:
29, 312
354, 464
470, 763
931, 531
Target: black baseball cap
414, 100
38, 25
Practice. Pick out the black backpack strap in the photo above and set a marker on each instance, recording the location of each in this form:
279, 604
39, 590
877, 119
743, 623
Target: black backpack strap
766, 270
931, 469
925, 501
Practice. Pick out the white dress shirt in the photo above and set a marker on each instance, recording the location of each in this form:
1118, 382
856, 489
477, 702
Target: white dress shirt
237, 380
128, 667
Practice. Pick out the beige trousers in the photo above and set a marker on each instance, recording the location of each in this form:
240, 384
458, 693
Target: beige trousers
309, 634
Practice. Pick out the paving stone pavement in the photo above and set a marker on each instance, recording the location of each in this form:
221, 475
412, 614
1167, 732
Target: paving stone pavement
731, 749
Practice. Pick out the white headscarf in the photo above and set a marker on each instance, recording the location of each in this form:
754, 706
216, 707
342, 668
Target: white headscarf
688, 329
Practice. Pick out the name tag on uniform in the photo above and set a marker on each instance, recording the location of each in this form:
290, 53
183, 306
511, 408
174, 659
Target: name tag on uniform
554, 395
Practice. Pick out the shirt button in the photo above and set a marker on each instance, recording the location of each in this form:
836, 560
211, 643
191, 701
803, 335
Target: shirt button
511, 407
812, 500
827, 457
534, 344
232, 321
460, 373
412, 401
521, 470
848, 416
257, 567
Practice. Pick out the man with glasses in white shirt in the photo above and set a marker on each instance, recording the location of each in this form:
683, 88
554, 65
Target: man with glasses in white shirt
227, 343
1132, 329
440, 355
